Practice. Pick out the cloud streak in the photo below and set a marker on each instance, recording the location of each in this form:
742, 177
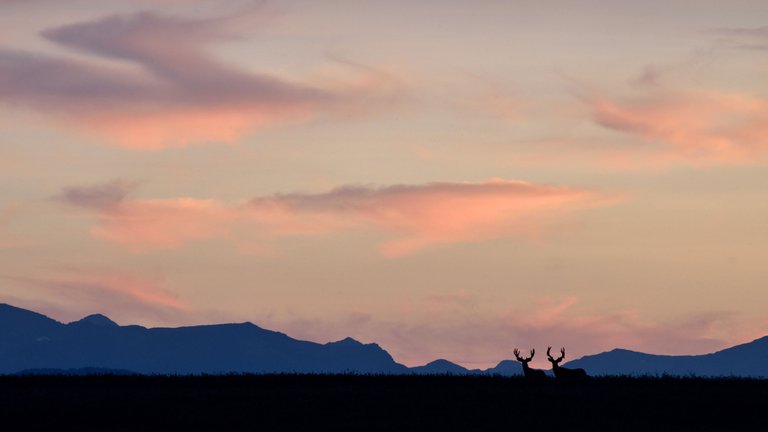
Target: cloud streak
180, 95
749, 38
703, 127
415, 217
98, 197
143, 225
430, 214
118, 295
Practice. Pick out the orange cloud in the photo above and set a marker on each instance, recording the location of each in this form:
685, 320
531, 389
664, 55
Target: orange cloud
164, 224
143, 291
177, 96
422, 216
118, 295
168, 127
418, 216
707, 127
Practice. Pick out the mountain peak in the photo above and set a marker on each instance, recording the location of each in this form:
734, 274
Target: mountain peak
347, 341
624, 351
441, 362
505, 363
440, 366
506, 368
97, 320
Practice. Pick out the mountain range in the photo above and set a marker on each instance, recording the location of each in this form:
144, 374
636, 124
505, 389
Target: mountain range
745, 360
36, 344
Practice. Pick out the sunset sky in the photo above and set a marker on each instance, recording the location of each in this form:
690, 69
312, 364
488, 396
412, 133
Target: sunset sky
449, 179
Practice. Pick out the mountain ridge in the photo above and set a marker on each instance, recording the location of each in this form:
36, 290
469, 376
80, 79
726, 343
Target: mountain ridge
748, 359
34, 342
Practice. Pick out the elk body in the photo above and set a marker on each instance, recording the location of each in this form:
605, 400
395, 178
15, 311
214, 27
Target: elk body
529, 373
562, 373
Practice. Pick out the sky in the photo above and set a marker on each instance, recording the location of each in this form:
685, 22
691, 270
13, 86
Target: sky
447, 179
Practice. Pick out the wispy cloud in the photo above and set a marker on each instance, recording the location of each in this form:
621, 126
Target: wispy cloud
649, 76
180, 95
430, 214
99, 196
418, 216
749, 38
126, 298
166, 223
702, 127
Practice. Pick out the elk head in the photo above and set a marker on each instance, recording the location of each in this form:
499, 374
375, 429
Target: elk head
553, 360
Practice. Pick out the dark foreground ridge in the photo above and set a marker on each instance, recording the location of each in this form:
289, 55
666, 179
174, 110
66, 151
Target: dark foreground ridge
373, 403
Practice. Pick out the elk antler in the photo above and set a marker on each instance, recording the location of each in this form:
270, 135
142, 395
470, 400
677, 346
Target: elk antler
516, 352
533, 353
562, 351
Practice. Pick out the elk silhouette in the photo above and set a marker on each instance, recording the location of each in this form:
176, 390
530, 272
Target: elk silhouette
562, 373
529, 373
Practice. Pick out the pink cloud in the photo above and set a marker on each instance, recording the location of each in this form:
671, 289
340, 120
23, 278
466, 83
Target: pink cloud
426, 215
416, 216
179, 95
184, 126
122, 297
149, 224
165, 223
143, 291
705, 127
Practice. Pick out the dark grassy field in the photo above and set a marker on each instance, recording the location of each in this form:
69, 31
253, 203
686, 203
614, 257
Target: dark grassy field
314, 402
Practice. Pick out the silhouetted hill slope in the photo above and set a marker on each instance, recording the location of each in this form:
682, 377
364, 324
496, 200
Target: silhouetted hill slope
369, 358
30, 340
506, 368
441, 367
748, 360
24, 322
98, 320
